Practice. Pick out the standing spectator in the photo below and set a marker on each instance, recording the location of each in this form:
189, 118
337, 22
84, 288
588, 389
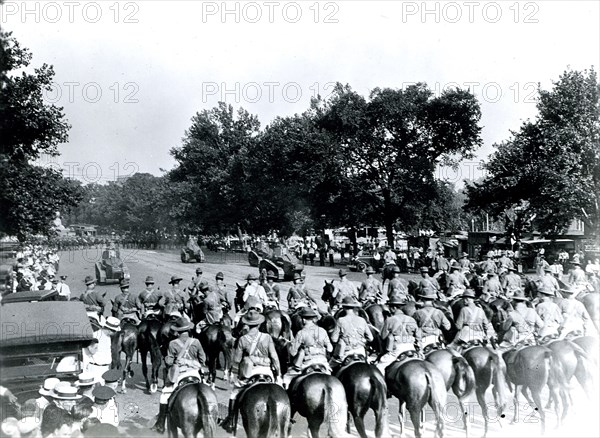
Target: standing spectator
403, 262
322, 252
331, 253
63, 288
311, 252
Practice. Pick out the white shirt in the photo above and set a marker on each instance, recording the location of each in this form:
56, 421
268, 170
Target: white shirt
255, 290
109, 413
64, 290
103, 356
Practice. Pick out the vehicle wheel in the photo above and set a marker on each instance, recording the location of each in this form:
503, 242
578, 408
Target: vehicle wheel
185, 257
362, 266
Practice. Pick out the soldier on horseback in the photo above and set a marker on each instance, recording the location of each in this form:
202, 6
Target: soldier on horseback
396, 288
489, 265
298, 295
352, 334
464, 262
254, 289
311, 344
577, 275
522, 323
124, 305
343, 288
576, 319
428, 284
549, 313
456, 282
548, 282
220, 288
272, 290
370, 290
400, 334
94, 300
492, 288
472, 324
430, 320
511, 282
257, 358
148, 300
185, 359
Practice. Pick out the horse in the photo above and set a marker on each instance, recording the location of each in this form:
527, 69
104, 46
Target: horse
365, 389
375, 313
458, 376
592, 305
147, 341
216, 339
279, 325
327, 295
415, 383
533, 368
489, 369
125, 341
238, 301
321, 399
193, 408
265, 410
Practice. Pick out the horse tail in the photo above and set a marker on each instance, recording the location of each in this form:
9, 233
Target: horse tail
583, 360
209, 425
435, 402
498, 376
464, 384
273, 425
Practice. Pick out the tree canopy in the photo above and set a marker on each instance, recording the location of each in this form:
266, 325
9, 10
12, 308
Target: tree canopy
31, 195
549, 171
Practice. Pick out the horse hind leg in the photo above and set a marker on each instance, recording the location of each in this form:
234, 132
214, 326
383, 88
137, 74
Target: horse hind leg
415, 416
537, 398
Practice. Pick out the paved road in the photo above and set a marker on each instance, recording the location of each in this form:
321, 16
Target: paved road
138, 409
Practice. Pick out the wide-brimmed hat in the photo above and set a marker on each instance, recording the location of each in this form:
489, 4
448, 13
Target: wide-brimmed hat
182, 325
113, 323
63, 277
342, 273
428, 294
396, 269
253, 318
546, 291
307, 313
297, 276
253, 302
512, 268
89, 280
490, 254
568, 290
424, 269
369, 270
469, 293
203, 285
124, 284
455, 265
576, 263
48, 386
149, 280
103, 393
175, 279
271, 274
65, 391
220, 276
251, 277
547, 269
397, 301
86, 379
198, 270
464, 254
349, 302
520, 296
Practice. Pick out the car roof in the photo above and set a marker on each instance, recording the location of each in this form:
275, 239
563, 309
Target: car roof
43, 322
29, 296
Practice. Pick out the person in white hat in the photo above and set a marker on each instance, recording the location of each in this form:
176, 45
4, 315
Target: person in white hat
86, 383
102, 358
45, 398
65, 395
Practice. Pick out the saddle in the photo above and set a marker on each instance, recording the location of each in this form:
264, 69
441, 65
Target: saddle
433, 347
472, 344
353, 358
129, 320
548, 339
259, 378
409, 355
315, 368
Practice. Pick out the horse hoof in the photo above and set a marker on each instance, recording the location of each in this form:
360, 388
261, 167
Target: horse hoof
153, 388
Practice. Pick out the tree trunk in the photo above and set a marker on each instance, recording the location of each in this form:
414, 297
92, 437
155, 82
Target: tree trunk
387, 218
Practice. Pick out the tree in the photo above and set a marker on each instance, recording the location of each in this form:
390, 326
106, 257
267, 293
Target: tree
550, 169
390, 145
209, 169
31, 195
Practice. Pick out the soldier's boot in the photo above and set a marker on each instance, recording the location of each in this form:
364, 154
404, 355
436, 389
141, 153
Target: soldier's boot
227, 422
160, 422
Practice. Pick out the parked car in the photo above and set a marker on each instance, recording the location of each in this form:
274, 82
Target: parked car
366, 258
40, 340
111, 267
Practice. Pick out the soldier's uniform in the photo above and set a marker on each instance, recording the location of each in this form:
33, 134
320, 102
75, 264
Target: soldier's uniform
464, 262
428, 284
255, 290
94, 300
489, 266
213, 307
472, 324
297, 295
148, 300
314, 342
125, 306
511, 282
353, 332
549, 283
551, 316
430, 321
492, 288
576, 318
370, 290
525, 321
456, 282
273, 292
343, 289
577, 276
400, 332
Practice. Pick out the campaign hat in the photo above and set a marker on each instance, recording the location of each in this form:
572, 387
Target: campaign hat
175, 279
349, 302
369, 270
149, 280
253, 318
182, 325
271, 274
469, 293
220, 276
89, 280
307, 313
342, 273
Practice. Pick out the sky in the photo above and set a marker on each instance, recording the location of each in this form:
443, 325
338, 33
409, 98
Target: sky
130, 75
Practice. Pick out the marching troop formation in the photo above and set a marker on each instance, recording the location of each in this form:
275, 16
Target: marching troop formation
457, 309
